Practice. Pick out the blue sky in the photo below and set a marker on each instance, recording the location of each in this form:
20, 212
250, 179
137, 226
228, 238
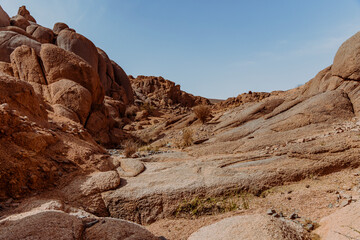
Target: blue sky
216, 49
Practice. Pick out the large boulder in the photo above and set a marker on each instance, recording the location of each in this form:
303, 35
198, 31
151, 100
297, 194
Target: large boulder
10, 40
61, 64
4, 18
251, 227
59, 26
26, 14
19, 21
25, 64
79, 45
106, 72
122, 80
73, 96
347, 60
41, 34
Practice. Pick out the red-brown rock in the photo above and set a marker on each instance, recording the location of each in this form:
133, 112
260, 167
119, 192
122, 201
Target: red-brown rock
41, 34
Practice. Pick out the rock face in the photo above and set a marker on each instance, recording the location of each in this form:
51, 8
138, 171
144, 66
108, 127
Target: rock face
252, 227
161, 92
4, 18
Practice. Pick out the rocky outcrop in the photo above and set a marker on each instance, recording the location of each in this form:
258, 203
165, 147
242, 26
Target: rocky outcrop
4, 18
26, 14
161, 92
41, 34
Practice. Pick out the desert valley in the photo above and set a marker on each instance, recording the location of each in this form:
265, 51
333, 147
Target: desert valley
89, 152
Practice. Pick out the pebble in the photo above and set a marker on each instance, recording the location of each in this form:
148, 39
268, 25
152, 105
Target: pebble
307, 186
293, 216
345, 202
270, 211
309, 227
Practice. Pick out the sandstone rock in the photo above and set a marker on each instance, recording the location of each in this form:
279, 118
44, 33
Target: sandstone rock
122, 80
73, 96
59, 26
17, 30
106, 72
44, 225
109, 228
330, 229
10, 40
98, 125
347, 59
61, 110
26, 14
79, 45
19, 21
61, 64
6, 68
251, 227
25, 64
4, 18
130, 167
41, 34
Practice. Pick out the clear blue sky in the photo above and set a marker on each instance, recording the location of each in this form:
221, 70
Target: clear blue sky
213, 48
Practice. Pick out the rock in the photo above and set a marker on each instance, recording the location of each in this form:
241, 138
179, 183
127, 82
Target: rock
60, 64
347, 59
26, 14
270, 212
19, 21
63, 111
99, 126
4, 18
73, 96
41, 34
58, 27
130, 167
6, 68
293, 216
345, 202
44, 225
106, 72
123, 81
330, 229
80, 45
251, 227
309, 227
10, 40
25, 65
109, 228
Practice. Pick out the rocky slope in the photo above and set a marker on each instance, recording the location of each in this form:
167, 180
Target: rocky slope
61, 96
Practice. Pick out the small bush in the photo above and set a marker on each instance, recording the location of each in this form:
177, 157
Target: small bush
187, 138
202, 112
130, 147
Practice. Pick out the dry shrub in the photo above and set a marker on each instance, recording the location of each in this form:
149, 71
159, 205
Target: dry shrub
187, 137
131, 111
202, 112
130, 147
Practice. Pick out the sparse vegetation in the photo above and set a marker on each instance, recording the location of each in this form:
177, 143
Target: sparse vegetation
187, 137
202, 112
130, 147
211, 205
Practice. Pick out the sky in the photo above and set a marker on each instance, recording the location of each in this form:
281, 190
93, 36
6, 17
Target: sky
213, 48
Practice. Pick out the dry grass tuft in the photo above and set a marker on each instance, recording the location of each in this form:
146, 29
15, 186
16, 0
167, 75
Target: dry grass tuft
130, 147
187, 138
202, 112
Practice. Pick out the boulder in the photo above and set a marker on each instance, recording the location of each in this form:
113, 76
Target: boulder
4, 18
61, 64
73, 96
10, 40
63, 111
26, 14
41, 34
59, 26
110, 228
122, 80
26, 66
106, 72
347, 59
19, 21
251, 227
80, 45
17, 30
43, 225
99, 125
